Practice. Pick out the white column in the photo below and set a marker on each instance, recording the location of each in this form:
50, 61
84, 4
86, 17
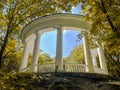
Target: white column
87, 53
24, 60
102, 59
94, 61
59, 48
36, 51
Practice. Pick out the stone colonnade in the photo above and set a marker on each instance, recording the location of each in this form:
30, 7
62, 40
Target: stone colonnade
89, 60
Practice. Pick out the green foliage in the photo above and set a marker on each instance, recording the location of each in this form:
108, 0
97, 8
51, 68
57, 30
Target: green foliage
113, 63
45, 59
104, 16
15, 14
18, 81
76, 56
12, 62
12, 56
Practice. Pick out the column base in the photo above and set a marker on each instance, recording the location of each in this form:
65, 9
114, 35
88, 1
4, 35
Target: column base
59, 68
89, 69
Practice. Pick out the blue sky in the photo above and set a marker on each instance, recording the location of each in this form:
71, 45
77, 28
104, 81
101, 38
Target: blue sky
48, 39
48, 42
76, 10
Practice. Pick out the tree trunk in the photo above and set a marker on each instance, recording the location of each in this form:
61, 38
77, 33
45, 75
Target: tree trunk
108, 17
3, 48
0, 62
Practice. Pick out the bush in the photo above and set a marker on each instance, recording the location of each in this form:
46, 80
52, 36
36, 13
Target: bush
18, 81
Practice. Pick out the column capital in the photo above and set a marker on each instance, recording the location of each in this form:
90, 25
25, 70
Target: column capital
29, 38
58, 27
39, 33
26, 41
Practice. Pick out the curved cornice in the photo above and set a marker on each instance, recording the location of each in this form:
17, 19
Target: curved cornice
54, 20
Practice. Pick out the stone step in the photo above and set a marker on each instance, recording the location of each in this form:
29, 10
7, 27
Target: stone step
77, 81
80, 74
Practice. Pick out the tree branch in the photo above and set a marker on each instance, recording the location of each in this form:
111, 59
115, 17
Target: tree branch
8, 53
108, 17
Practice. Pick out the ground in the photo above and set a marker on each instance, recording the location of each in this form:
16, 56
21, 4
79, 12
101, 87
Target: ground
59, 81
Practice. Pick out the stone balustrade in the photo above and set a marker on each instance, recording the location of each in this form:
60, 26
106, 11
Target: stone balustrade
74, 67
66, 68
46, 68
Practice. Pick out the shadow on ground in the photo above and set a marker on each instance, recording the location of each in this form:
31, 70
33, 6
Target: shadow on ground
58, 81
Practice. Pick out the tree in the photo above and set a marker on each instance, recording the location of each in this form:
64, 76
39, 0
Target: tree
107, 9
15, 14
77, 55
104, 16
45, 59
12, 57
113, 63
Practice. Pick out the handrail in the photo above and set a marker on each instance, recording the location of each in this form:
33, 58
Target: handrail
67, 67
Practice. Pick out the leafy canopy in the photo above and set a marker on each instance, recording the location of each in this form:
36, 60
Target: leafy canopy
105, 16
15, 14
76, 56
